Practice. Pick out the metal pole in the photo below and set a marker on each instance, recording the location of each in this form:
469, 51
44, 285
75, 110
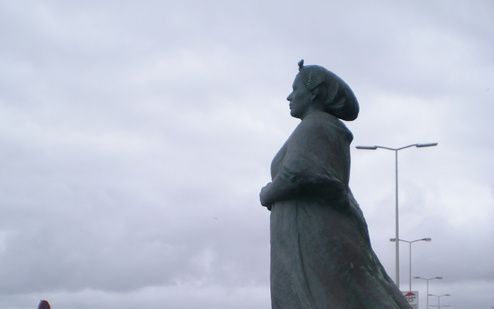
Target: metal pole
410, 265
397, 279
427, 294
427, 290
410, 242
397, 223
439, 302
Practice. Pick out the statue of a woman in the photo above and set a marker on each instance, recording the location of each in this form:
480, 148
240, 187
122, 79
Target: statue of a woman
321, 256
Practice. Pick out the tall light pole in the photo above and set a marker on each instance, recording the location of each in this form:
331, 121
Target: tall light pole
410, 242
439, 299
397, 236
428, 279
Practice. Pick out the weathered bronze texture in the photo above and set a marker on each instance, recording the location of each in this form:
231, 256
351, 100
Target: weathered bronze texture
321, 256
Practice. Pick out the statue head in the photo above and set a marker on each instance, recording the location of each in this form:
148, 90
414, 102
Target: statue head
329, 90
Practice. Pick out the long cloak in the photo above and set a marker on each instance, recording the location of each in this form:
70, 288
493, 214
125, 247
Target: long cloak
321, 256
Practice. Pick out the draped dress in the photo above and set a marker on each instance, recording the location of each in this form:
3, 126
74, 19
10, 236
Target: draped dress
321, 256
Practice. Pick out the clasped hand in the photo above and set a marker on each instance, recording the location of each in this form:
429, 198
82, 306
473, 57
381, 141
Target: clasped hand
265, 196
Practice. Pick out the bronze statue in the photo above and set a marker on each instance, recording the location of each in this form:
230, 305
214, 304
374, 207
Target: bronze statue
321, 256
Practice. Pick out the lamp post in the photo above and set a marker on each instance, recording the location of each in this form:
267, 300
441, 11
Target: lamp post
410, 242
427, 291
439, 299
397, 236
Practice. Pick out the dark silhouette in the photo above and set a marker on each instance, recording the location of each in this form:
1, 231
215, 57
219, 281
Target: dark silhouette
44, 305
321, 256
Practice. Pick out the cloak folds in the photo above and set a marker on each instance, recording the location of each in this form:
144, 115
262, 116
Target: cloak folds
321, 256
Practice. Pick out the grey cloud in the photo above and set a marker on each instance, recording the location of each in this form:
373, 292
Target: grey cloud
135, 139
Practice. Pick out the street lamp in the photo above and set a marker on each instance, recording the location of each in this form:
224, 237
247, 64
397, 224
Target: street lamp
428, 279
397, 236
410, 242
439, 299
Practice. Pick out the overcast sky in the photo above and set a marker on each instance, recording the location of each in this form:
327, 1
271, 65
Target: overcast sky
136, 135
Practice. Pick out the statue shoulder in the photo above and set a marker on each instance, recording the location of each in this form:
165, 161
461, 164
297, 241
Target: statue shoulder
326, 124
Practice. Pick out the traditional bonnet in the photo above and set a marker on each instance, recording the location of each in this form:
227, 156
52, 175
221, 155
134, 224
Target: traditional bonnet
340, 101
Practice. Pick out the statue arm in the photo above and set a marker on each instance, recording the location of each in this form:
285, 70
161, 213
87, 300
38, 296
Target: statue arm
305, 170
277, 190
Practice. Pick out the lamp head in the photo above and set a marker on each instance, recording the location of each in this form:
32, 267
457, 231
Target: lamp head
426, 145
367, 147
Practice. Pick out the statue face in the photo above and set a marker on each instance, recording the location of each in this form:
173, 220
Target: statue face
300, 99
